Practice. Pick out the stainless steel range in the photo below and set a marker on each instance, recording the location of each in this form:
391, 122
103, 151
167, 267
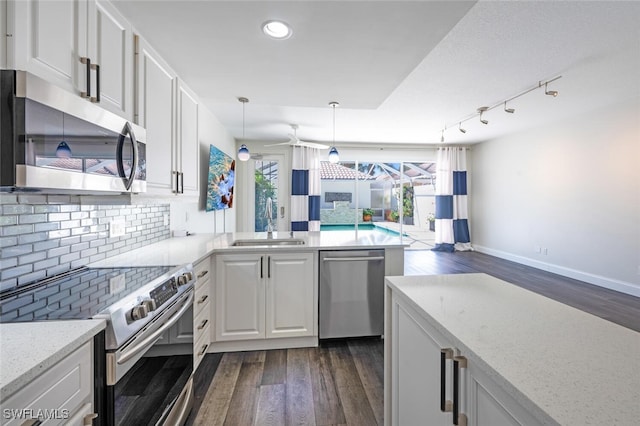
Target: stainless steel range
140, 304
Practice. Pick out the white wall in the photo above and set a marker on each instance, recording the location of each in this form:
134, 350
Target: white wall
189, 214
571, 190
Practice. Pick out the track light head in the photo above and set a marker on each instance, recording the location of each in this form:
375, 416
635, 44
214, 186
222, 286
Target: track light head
481, 110
460, 128
509, 110
442, 137
553, 93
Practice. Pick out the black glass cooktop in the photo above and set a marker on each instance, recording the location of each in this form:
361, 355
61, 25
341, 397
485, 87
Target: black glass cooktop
80, 294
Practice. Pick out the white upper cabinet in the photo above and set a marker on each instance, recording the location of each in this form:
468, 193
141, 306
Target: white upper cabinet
3, 33
187, 145
110, 42
83, 46
155, 112
169, 111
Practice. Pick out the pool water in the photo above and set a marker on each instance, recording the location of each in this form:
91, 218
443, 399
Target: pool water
361, 227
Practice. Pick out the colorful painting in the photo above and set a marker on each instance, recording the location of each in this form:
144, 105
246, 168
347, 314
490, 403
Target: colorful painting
221, 180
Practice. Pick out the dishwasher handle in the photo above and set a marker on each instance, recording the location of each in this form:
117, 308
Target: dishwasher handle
351, 259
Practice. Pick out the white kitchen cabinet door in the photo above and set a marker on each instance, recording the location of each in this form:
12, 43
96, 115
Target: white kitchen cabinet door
290, 295
67, 387
416, 372
489, 405
48, 40
187, 146
239, 297
110, 45
51, 38
156, 92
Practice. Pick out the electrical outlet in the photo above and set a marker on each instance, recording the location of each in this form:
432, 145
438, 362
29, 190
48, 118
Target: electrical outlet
117, 228
117, 284
165, 220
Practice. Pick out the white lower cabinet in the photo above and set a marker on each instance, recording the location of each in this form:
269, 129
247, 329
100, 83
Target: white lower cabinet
432, 382
265, 296
62, 395
202, 311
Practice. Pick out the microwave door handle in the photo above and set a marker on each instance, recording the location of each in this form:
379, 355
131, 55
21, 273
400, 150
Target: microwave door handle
128, 180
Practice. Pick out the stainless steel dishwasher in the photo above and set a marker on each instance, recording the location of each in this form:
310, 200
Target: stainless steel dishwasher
351, 293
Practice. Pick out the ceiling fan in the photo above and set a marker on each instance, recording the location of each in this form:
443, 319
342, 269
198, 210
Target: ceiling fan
294, 141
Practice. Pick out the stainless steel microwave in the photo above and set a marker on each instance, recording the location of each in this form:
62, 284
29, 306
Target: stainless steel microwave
55, 142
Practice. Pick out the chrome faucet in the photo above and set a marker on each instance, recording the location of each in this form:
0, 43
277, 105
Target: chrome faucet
269, 214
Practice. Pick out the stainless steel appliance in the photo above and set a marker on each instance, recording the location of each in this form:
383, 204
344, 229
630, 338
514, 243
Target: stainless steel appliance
55, 142
351, 293
139, 304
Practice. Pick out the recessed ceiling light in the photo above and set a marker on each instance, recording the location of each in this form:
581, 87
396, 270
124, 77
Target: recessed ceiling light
277, 29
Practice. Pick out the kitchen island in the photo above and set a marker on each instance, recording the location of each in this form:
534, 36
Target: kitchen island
521, 358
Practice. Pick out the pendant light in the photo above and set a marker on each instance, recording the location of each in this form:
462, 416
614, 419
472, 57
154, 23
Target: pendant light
63, 150
243, 152
334, 157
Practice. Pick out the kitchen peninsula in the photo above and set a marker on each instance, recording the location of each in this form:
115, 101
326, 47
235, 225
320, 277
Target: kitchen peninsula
505, 356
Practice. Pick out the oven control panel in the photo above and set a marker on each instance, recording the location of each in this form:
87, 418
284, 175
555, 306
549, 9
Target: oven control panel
164, 292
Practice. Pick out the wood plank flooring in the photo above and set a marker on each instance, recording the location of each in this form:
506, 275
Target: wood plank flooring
338, 383
341, 382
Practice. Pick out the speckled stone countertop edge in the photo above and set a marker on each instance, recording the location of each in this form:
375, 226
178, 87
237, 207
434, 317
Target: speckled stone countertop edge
21, 363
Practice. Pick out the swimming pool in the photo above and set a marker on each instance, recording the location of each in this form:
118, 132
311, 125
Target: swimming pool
368, 226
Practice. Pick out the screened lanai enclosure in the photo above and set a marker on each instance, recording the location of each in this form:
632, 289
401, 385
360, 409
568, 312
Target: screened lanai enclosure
359, 192
392, 196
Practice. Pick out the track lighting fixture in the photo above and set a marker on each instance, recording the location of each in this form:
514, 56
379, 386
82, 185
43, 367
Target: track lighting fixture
509, 110
502, 103
553, 93
243, 152
481, 110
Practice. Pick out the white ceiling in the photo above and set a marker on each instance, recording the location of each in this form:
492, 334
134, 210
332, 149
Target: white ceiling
401, 70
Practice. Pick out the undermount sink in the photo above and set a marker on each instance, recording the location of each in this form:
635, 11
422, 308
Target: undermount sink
269, 242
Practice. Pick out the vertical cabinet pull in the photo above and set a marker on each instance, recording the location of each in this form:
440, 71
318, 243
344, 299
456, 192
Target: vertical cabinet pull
445, 354
86, 61
182, 182
96, 99
458, 418
269, 267
175, 180
261, 266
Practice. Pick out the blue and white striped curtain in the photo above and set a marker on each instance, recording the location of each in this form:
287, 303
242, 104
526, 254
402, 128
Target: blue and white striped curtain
305, 189
452, 225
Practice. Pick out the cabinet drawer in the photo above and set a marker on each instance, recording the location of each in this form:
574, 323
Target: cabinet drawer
201, 322
200, 347
61, 391
202, 297
203, 271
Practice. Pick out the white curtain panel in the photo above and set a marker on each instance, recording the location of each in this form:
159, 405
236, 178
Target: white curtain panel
305, 189
452, 225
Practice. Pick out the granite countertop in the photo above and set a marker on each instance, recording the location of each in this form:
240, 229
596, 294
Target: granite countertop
193, 248
28, 349
562, 364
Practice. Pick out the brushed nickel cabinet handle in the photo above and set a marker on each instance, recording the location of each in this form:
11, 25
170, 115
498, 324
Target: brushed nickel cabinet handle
203, 324
87, 61
96, 99
458, 363
88, 419
445, 354
203, 298
202, 274
203, 350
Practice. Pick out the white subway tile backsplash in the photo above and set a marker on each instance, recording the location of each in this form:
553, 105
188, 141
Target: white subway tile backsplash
41, 235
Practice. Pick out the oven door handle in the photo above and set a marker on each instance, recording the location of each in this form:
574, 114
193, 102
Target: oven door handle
151, 339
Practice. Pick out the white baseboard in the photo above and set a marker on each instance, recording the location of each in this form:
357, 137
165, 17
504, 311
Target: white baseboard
612, 284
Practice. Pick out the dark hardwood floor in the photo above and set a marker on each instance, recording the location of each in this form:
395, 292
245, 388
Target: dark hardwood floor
341, 382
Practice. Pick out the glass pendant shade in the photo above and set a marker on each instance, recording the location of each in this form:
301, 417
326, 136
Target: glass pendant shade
243, 153
334, 157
